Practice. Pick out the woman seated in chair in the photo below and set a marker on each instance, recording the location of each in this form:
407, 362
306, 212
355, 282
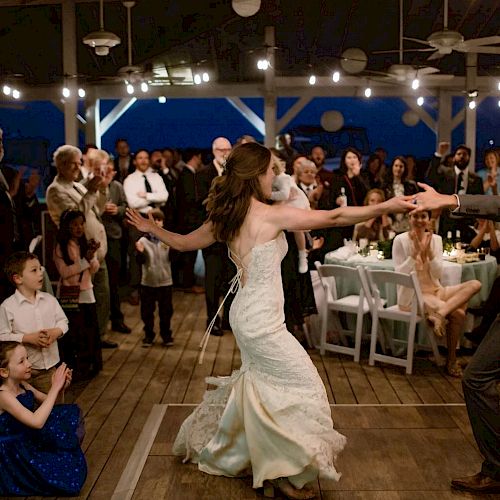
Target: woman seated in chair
377, 228
421, 251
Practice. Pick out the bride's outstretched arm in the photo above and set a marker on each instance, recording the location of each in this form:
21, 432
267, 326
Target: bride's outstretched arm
295, 219
199, 238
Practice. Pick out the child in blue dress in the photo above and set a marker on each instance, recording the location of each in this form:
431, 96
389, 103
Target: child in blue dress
40, 450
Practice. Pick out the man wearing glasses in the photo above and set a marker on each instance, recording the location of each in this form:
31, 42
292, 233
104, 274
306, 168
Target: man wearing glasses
218, 268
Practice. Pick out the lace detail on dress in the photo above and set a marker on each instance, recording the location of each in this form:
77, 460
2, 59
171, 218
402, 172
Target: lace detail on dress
272, 416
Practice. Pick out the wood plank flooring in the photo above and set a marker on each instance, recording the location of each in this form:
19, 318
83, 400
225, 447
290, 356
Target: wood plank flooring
398, 446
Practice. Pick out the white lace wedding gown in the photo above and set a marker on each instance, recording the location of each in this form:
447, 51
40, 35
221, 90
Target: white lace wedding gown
271, 418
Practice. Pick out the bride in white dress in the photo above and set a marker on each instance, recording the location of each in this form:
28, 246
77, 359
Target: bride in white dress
271, 418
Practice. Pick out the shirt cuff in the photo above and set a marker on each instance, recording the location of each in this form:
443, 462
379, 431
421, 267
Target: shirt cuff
458, 204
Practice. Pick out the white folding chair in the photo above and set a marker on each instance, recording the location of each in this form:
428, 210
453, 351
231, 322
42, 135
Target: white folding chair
353, 304
413, 317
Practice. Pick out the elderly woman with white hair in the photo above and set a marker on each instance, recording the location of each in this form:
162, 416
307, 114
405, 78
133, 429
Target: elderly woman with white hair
65, 193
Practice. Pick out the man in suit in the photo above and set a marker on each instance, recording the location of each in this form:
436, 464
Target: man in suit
218, 268
124, 164
458, 179
482, 375
190, 215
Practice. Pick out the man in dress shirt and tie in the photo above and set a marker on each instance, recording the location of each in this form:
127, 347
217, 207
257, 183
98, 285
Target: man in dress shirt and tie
145, 190
456, 180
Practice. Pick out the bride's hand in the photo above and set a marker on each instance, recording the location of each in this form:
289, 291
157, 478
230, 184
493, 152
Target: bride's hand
134, 218
399, 204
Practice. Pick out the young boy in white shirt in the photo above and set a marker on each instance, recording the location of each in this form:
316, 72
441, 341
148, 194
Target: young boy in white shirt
32, 317
156, 284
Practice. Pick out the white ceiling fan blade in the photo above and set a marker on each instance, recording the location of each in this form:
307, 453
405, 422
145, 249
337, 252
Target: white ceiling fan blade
427, 70
479, 50
438, 78
436, 55
416, 40
487, 40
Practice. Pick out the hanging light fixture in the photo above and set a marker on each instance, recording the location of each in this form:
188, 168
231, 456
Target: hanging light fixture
101, 40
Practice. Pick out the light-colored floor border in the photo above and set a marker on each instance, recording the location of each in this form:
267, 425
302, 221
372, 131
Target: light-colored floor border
133, 470
130, 476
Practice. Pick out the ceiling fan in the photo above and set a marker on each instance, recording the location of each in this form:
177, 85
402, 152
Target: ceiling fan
444, 42
143, 75
406, 72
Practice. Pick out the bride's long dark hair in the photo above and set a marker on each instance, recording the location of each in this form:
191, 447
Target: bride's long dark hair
230, 194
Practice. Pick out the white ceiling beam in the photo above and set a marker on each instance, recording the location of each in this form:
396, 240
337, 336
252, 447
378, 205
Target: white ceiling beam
111, 118
292, 112
422, 114
285, 87
249, 114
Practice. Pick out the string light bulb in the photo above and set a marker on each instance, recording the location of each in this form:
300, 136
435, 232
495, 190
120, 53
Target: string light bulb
368, 92
415, 84
162, 99
16, 94
312, 80
66, 92
6, 90
81, 93
130, 88
472, 104
420, 101
336, 76
205, 77
144, 87
263, 64
197, 79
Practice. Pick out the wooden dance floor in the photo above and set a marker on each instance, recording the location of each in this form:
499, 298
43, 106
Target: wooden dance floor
407, 435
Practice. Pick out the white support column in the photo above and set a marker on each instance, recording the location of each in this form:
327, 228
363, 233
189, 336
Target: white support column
270, 100
470, 114
93, 117
249, 114
70, 68
114, 115
445, 126
292, 112
422, 114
